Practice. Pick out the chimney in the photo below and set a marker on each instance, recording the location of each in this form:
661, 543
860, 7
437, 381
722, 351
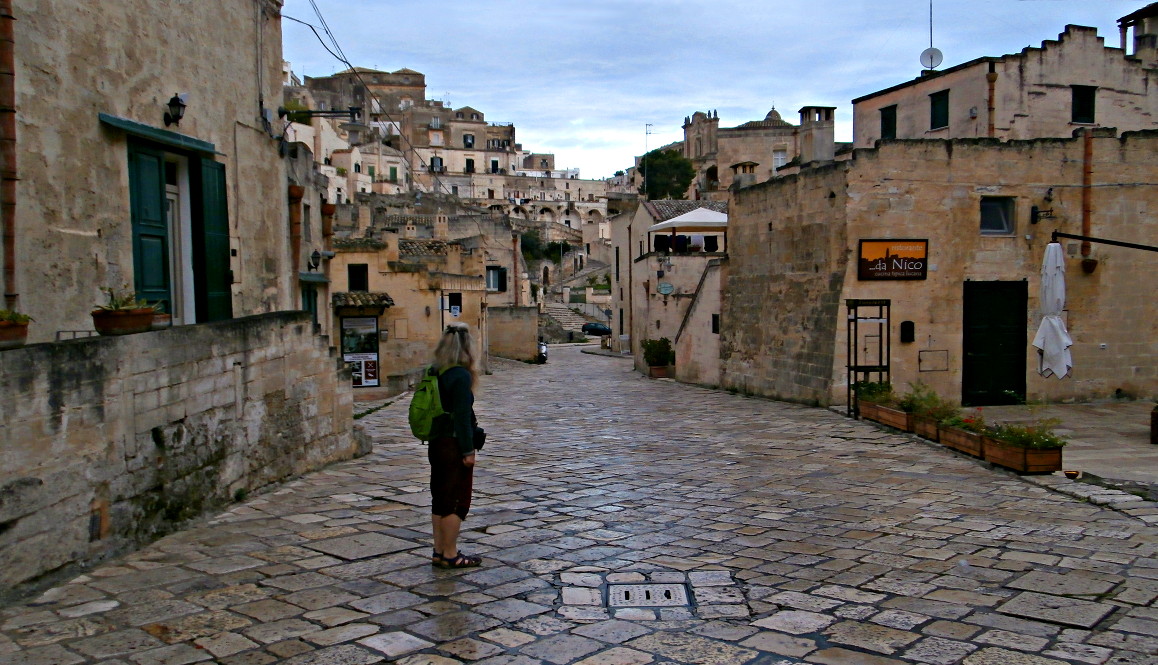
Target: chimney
817, 134
441, 227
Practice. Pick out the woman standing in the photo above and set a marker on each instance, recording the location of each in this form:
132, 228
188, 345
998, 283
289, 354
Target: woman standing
452, 446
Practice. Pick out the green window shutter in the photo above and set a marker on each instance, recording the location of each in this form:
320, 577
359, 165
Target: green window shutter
211, 273
150, 225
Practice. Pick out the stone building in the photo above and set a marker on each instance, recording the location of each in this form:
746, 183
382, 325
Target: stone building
654, 279
1070, 83
111, 441
456, 151
762, 145
977, 215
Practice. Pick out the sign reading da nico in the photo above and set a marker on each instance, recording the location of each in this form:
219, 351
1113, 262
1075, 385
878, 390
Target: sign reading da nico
893, 259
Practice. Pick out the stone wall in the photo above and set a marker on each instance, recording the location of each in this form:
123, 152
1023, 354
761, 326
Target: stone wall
781, 286
111, 442
513, 332
697, 347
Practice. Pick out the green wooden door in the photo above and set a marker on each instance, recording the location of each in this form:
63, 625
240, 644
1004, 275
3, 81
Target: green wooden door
147, 209
211, 274
994, 343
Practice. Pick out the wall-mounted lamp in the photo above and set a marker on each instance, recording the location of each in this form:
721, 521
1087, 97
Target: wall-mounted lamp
1048, 195
176, 110
315, 260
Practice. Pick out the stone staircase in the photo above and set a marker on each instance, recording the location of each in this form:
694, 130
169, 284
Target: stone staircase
563, 314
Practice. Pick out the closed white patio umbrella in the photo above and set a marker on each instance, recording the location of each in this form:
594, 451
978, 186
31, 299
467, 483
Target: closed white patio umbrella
1052, 337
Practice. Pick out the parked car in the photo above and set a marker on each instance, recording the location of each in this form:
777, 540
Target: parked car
599, 329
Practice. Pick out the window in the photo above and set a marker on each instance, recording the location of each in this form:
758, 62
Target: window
393, 174
779, 158
454, 190
436, 123
939, 110
716, 324
617, 266
494, 166
997, 215
454, 303
468, 140
496, 278
889, 122
436, 164
435, 138
469, 165
357, 167
370, 170
1083, 103
358, 277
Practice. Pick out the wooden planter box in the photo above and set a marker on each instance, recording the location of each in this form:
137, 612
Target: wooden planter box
885, 415
962, 440
925, 428
1022, 460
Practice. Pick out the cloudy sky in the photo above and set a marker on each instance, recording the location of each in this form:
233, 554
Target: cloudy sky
582, 78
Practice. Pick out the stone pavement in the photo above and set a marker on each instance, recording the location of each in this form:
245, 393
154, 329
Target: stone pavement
603, 501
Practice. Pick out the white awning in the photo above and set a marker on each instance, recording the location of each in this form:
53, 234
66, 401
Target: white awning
700, 219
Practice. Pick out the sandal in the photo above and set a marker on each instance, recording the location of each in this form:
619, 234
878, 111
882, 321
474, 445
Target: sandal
459, 560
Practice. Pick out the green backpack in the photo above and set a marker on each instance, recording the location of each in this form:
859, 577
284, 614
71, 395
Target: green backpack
425, 405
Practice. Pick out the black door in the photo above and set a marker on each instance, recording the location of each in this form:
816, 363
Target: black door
994, 343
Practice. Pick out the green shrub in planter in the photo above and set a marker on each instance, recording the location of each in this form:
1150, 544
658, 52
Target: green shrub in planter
658, 352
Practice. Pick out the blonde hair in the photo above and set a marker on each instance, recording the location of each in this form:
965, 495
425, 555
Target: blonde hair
456, 347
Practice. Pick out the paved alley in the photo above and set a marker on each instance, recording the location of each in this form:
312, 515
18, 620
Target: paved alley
625, 521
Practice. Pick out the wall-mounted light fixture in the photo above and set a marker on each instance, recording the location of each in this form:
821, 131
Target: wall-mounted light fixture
315, 260
1048, 195
176, 110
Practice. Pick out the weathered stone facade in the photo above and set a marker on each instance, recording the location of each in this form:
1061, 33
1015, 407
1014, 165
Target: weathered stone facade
513, 332
1025, 95
74, 230
794, 246
111, 442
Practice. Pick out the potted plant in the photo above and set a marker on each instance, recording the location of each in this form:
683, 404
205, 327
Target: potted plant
927, 409
161, 319
659, 356
13, 328
123, 313
876, 401
963, 432
1025, 448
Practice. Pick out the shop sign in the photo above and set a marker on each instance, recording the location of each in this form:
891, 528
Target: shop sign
893, 259
360, 349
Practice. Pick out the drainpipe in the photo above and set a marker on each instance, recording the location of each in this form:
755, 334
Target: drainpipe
8, 174
1087, 186
515, 264
991, 79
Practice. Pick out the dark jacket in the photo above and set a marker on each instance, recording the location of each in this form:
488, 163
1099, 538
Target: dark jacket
458, 402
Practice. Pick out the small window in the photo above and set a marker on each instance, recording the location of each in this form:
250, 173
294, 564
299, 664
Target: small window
939, 110
997, 215
779, 158
393, 174
889, 122
357, 167
358, 276
1083, 103
468, 140
494, 166
496, 279
469, 165
716, 324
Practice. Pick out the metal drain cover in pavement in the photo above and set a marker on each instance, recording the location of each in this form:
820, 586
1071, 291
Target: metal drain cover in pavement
647, 595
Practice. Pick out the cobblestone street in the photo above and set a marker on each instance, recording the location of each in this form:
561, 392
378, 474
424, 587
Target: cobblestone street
626, 521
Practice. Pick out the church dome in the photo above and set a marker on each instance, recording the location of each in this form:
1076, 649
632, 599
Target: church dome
773, 116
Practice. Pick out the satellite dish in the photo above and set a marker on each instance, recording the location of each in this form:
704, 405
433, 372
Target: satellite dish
931, 57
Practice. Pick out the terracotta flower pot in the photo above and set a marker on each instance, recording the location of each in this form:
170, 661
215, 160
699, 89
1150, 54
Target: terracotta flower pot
961, 440
1022, 460
659, 371
122, 321
12, 335
161, 321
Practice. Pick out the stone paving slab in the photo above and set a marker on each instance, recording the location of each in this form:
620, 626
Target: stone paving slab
803, 537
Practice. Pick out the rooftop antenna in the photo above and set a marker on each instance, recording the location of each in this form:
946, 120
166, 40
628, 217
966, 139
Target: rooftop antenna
931, 57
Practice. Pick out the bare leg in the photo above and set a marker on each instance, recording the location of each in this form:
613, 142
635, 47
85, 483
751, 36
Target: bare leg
436, 523
446, 535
